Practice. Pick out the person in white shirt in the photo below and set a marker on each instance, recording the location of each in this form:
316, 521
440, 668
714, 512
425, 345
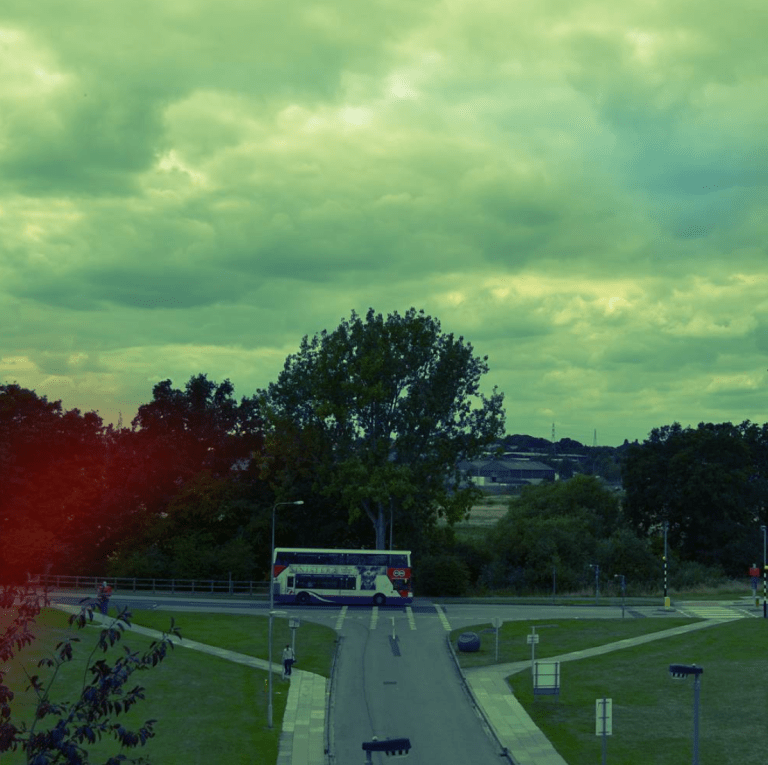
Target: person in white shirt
288, 659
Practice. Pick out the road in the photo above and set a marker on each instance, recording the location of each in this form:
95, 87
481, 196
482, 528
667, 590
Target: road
406, 686
395, 676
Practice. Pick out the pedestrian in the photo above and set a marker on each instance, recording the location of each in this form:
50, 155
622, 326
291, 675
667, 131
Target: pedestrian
288, 659
103, 593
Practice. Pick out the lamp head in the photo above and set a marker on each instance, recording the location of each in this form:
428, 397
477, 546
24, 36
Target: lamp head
681, 671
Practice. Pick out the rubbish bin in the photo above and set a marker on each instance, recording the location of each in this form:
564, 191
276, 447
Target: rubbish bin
469, 642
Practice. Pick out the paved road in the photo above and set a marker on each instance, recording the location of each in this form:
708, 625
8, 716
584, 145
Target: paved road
404, 687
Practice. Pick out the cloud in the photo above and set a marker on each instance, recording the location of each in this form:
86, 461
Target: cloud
576, 188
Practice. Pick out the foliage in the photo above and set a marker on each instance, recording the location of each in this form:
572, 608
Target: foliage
385, 410
71, 491
709, 484
204, 532
562, 529
73, 725
52, 467
442, 575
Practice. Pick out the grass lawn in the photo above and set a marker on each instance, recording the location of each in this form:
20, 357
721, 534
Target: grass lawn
207, 708
568, 635
652, 713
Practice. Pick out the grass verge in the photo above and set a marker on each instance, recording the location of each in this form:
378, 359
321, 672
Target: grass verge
653, 714
208, 709
565, 636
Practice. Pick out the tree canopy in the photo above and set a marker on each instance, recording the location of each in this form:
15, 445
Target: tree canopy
566, 527
708, 483
389, 408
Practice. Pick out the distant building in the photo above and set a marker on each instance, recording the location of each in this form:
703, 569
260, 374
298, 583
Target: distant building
499, 473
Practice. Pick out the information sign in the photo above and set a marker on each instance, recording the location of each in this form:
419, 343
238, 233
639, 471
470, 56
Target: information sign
604, 717
546, 678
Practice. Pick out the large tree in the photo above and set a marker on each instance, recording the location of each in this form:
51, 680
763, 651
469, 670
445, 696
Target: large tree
707, 483
385, 409
52, 480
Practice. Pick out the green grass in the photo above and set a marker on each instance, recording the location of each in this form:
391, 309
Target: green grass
207, 708
569, 635
248, 634
653, 714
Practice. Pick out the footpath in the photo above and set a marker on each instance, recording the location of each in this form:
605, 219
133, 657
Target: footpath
302, 741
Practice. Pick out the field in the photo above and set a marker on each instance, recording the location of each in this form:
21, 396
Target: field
652, 714
207, 708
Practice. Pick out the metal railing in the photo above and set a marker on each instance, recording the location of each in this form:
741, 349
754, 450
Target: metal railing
136, 584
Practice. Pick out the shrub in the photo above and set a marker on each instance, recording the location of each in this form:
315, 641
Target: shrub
442, 575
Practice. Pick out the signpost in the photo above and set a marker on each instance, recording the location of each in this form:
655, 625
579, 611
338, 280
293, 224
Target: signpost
497, 621
533, 638
604, 722
294, 623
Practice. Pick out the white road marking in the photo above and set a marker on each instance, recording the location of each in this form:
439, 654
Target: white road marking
712, 612
340, 620
443, 618
374, 617
411, 620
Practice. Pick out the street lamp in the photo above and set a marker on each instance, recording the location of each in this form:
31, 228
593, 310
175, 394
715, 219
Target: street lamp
679, 672
272, 601
765, 572
597, 580
623, 590
666, 591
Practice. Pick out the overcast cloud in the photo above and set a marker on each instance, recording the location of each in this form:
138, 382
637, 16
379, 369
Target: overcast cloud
577, 188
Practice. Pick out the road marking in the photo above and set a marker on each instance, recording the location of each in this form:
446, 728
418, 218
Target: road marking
712, 612
374, 617
443, 618
411, 620
340, 620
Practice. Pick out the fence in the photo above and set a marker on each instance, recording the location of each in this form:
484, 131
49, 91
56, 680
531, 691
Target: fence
135, 584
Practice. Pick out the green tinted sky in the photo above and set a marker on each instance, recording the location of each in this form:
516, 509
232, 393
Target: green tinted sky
577, 188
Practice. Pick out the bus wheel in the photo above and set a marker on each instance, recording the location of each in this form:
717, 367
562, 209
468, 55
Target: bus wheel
302, 598
379, 599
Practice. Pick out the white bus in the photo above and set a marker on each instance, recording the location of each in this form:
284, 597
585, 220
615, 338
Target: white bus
308, 575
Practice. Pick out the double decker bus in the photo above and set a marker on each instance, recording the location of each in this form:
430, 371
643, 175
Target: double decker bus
308, 575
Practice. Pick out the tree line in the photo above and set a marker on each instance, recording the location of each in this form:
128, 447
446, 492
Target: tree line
705, 487
367, 425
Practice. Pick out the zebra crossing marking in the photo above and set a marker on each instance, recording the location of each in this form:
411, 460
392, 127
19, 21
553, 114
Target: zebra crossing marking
340, 620
712, 612
411, 620
374, 618
443, 618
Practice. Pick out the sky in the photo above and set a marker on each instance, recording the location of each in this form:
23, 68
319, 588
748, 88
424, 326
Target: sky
579, 189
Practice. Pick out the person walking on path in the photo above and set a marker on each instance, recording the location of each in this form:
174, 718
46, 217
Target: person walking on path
288, 659
103, 594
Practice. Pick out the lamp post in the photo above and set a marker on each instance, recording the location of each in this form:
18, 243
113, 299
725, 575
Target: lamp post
680, 671
272, 602
623, 591
666, 591
765, 572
